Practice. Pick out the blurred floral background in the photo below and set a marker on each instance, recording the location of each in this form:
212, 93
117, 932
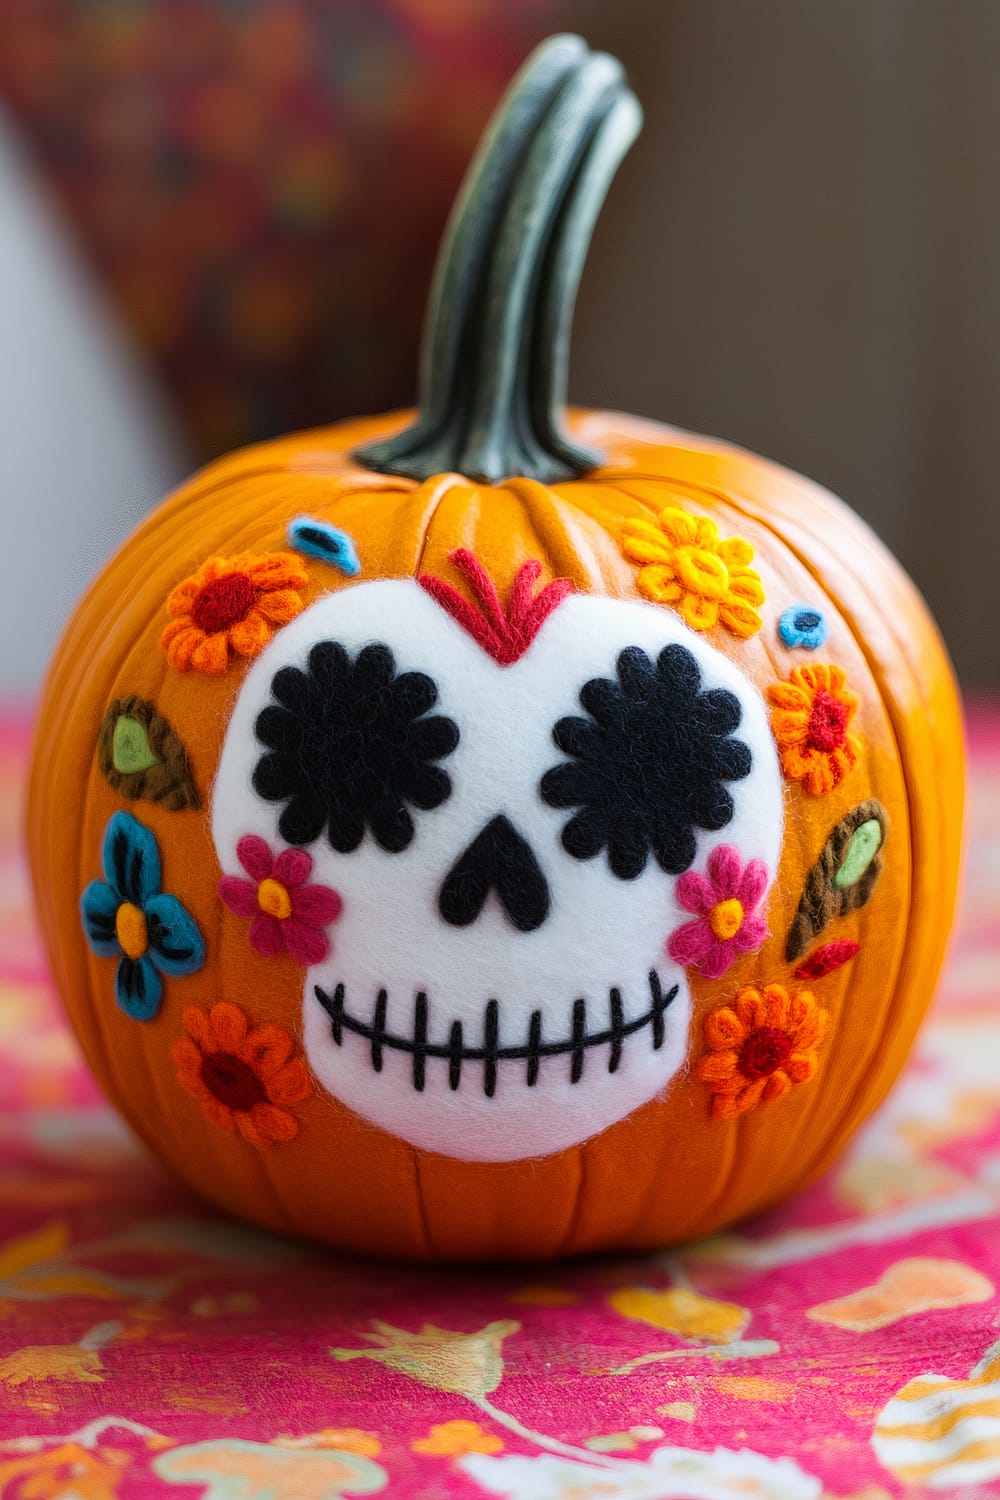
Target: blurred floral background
218, 220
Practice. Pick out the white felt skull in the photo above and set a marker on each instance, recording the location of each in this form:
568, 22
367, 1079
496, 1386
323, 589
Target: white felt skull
497, 984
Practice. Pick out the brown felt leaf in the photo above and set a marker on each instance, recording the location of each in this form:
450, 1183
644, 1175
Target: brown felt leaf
823, 900
142, 756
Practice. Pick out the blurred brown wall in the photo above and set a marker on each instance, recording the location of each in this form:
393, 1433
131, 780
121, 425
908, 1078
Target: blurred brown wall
802, 254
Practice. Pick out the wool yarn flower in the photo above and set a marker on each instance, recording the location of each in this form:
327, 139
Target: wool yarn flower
802, 625
687, 565
350, 744
245, 1077
811, 714
126, 916
760, 1047
724, 902
633, 797
231, 607
287, 914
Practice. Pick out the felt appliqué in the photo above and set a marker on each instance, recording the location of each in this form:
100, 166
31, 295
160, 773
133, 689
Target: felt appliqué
288, 914
724, 902
141, 756
327, 543
246, 1077
507, 633
827, 959
536, 1047
804, 626
499, 859
686, 564
843, 877
352, 744
811, 716
649, 764
230, 608
126, 916
760, 1047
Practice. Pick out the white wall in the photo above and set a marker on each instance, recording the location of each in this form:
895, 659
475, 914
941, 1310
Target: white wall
86, 443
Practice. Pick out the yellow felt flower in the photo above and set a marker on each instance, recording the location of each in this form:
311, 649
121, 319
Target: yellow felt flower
686, 564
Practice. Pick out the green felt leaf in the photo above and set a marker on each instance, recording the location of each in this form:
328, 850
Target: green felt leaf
865, 844
130, 746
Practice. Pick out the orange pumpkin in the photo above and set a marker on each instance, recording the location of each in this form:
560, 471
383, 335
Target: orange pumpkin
474, 836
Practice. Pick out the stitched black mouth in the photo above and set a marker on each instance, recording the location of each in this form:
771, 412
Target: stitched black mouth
490, 1053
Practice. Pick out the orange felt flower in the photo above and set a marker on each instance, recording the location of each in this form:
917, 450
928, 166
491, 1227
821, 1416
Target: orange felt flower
231, 605
811, 714
245, 1078
760, 1047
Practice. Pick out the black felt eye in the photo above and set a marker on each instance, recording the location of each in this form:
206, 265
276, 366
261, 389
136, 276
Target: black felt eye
352, 744
648, 764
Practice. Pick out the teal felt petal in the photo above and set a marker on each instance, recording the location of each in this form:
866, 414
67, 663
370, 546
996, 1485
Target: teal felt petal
138, 988
98, 909
176, 946
131, 859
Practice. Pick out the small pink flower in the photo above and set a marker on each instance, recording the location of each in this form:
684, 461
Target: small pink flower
724, 904
287, 914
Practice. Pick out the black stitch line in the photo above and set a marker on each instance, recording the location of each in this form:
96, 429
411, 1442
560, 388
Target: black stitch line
491, 1030
454, 1055
617, 1029
377, 1031
579, 1039
419, 1041
490, 1053
534, 1047
660, 1003
337, 1014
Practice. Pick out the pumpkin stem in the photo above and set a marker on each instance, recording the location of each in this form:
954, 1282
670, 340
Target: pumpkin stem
496, 338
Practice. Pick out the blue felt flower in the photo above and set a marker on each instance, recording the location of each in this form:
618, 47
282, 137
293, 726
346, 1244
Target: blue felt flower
128, 917
802, 625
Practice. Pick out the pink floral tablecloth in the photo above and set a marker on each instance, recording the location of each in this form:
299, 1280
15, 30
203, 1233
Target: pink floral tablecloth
846, 1345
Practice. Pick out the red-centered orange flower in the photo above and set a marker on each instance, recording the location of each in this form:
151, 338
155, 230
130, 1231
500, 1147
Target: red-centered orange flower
231, 606
760, 1047
811, 714
244, 1076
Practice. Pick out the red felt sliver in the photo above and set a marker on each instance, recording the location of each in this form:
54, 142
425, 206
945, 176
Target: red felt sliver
504, 634
824, 960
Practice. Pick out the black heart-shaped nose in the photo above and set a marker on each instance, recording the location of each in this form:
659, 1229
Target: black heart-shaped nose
497, 859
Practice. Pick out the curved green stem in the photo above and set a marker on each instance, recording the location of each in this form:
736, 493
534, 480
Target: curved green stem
496, 341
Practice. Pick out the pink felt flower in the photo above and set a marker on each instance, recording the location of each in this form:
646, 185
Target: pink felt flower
287, 914
724, 903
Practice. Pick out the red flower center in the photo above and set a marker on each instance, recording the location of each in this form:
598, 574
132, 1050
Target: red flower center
232, 1081
222, 602
764, 1052
827, 722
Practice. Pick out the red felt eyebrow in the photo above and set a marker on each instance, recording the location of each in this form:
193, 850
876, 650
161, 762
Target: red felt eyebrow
505, 633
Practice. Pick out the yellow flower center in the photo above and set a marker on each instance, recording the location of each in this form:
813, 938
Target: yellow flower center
726, 919
130, 930
274, 899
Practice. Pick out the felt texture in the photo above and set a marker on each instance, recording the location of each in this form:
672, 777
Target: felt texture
126, 916
314, 538
349, 744
401, 965
649, 765
505, 633
148, 760
664, 1172
843, 877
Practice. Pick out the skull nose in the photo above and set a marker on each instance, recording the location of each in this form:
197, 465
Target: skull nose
499, 859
